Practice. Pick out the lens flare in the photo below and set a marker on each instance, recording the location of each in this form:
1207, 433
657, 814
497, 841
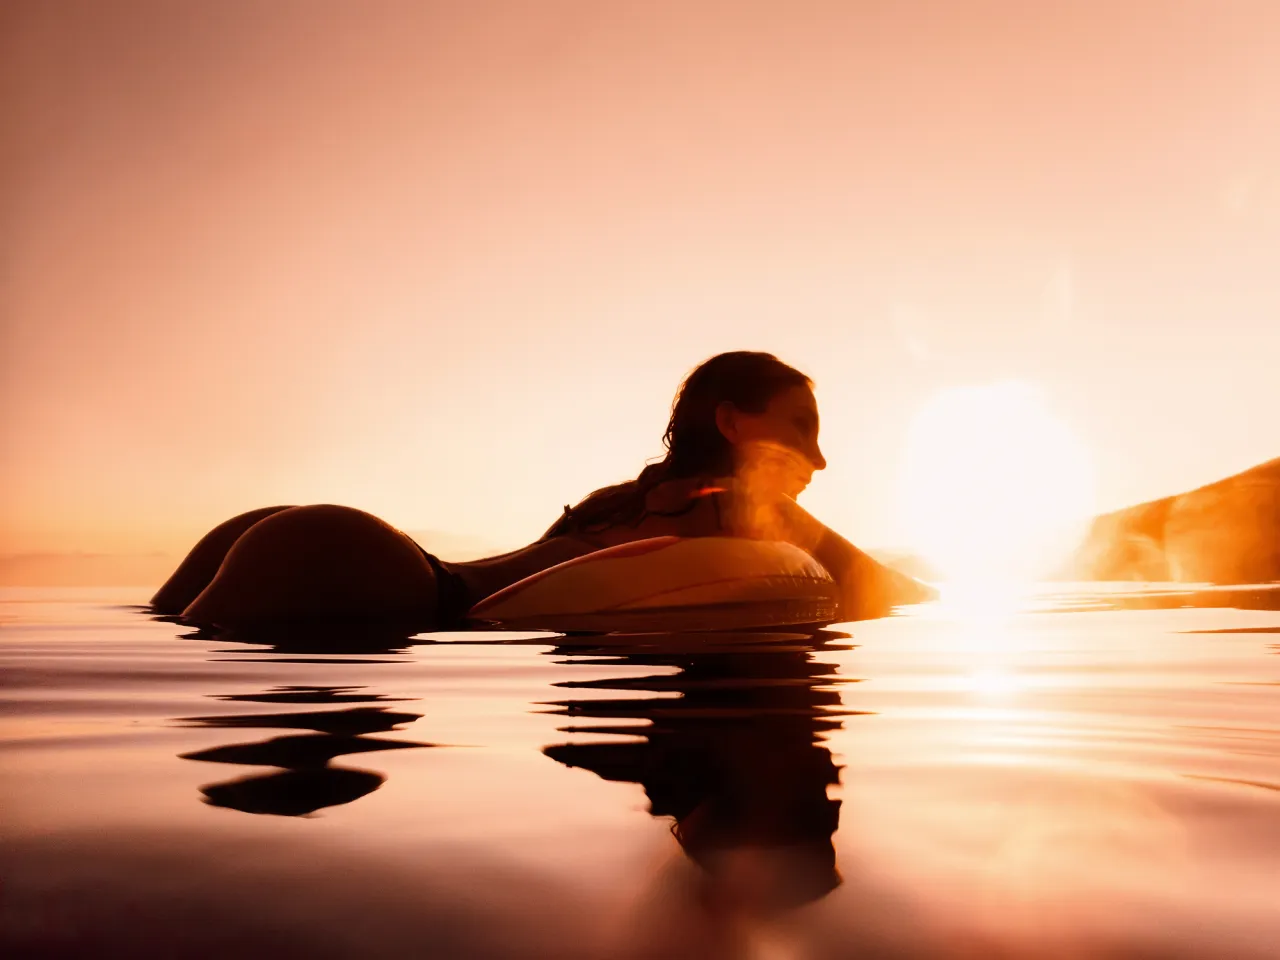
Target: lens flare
996, 488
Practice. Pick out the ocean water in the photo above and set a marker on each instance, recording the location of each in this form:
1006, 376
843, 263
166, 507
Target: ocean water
1097, 775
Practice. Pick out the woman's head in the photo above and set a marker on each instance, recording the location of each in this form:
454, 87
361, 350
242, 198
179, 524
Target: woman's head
745, 411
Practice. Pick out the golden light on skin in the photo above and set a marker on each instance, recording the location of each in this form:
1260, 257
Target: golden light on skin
996, 488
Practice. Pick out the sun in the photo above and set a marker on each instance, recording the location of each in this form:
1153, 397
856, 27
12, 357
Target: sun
996, 488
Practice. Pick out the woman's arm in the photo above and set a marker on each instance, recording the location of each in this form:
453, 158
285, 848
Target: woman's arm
868, 588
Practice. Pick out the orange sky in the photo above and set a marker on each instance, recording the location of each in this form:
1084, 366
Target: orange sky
447, 262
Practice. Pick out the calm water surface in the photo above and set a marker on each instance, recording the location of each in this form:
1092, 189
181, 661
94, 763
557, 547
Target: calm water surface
1087, 782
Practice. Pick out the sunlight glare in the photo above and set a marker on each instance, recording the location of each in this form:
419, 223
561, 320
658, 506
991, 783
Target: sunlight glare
993, 682
996, 488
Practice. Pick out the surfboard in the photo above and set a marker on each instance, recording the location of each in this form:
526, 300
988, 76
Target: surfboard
669, 584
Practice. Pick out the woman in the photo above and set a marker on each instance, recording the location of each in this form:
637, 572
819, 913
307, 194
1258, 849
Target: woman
742, 444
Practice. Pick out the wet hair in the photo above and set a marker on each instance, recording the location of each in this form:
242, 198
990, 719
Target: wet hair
695, 446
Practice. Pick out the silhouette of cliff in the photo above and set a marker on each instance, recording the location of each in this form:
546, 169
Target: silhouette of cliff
1225, 532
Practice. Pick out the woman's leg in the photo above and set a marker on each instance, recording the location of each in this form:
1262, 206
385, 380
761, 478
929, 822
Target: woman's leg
198, 569
317, 562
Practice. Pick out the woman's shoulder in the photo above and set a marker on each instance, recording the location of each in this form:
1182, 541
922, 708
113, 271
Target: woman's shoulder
636, 503
600, 507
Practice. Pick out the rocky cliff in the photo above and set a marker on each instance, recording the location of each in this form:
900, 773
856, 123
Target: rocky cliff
1226, 532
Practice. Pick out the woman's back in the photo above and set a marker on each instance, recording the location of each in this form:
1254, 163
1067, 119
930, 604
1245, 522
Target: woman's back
684, 507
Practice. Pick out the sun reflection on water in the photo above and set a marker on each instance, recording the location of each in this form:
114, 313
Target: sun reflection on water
994, 682
984, 634
984, 605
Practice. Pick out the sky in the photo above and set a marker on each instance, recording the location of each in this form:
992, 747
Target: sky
447, 262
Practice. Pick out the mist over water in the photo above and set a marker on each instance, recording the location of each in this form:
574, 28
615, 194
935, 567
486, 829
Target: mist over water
1097, 776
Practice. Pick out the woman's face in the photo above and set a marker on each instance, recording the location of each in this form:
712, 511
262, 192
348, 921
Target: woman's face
778, 446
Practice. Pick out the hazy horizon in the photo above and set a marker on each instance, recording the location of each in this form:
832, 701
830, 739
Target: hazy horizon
448, 262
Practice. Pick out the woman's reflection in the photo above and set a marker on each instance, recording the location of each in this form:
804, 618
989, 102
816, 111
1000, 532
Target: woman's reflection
306, 782
735, 758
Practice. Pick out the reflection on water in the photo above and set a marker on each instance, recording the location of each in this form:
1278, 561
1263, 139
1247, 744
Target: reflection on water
306, 782
303, 642
1098, 781
730, 749
1162, 596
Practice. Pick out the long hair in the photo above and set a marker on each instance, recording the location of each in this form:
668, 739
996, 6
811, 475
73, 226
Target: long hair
694, 445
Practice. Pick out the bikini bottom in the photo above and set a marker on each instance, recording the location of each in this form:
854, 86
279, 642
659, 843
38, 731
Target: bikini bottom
453, 599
